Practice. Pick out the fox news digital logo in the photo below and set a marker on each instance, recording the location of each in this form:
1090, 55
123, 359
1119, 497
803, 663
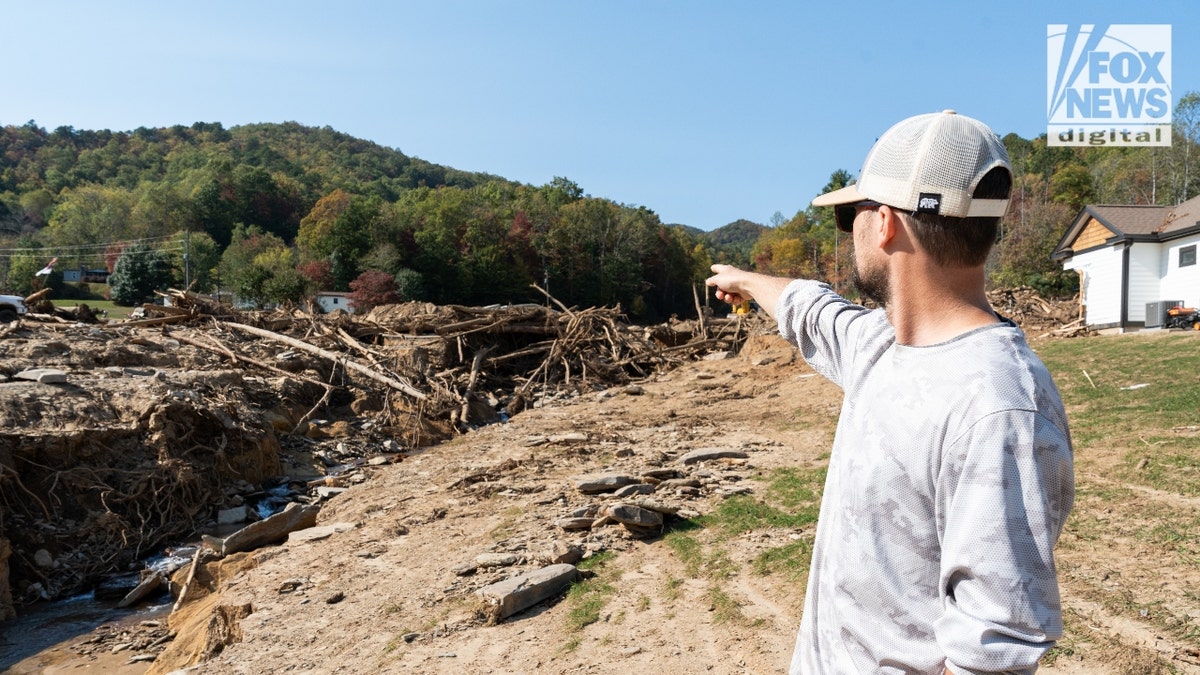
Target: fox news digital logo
1108, 85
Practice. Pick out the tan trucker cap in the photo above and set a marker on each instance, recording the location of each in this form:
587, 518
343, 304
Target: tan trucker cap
929, 164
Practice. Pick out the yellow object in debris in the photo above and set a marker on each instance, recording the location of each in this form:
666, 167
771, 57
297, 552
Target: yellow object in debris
743, 307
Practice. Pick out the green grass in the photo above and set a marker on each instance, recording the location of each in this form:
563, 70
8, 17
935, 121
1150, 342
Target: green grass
1093, 376
114, 311
587, 598
790, 502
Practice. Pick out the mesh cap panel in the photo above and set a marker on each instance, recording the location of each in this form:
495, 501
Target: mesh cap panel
934, 162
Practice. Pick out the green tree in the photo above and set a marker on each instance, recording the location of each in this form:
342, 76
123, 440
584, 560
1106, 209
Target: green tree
202, 257
87, 216
139, 272
22, 269
1073, 186
252, 259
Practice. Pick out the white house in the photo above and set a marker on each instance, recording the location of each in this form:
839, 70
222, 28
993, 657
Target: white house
329, 301
1128, 257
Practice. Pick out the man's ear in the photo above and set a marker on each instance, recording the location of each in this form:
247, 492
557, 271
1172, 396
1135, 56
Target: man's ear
888, 226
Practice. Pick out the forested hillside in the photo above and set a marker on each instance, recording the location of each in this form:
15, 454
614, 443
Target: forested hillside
273, 212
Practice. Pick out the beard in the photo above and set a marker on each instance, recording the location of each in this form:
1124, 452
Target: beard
872, 283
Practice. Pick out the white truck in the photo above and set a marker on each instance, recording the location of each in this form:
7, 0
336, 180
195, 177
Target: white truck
11, 306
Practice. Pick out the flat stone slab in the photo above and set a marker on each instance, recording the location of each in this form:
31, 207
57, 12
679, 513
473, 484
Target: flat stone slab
144, 589
628, 514
582, 523
43, 375
269, 531
635, 489
655, 505
318, 533
237, 514
596, 484
707, 454
526, 590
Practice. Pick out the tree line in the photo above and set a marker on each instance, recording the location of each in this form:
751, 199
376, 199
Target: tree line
274, 212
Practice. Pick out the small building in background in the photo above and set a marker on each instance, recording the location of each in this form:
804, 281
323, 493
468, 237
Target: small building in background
329, 301
1134, 262
86, 276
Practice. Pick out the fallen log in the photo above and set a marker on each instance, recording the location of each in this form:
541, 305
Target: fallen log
331, 356
219, 348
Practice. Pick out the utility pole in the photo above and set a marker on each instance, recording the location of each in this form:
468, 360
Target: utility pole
187, 258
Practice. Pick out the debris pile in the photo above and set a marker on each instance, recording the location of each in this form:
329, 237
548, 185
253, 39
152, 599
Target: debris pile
1037, 315
120, 437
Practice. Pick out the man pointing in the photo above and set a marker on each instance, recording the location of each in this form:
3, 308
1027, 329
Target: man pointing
951, 471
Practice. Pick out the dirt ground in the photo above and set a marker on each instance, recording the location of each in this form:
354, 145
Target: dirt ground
389, 593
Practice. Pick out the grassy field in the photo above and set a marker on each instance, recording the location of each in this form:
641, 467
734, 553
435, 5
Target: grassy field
114, 311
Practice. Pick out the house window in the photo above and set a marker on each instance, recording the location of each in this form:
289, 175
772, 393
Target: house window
1187, 255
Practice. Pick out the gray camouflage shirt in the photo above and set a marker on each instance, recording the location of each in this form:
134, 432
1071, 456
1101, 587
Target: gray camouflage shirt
949, 482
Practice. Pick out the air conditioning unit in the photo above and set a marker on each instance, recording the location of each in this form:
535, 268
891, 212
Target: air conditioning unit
1156, 312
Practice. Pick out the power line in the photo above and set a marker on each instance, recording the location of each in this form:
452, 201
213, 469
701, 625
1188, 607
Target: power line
59, 249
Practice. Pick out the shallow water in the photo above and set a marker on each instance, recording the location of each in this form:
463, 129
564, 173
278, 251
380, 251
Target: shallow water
29, 639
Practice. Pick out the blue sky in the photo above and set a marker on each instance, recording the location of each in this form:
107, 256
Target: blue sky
704, 112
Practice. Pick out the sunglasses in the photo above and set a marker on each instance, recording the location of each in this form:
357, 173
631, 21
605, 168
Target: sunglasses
845, 214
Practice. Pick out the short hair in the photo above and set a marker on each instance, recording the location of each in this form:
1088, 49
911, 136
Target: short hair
962, 242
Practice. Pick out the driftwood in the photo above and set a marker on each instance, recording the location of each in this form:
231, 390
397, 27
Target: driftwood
332, 356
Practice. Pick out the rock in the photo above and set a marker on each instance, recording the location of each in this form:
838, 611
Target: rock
42, 558
573, 437
496, 559
325, 492
708, 454
269, 531
662, 474
657, 506
634, 390
526, 590
335, 597
318, 533
734, 491
231, 516
464, 570
596, 484
569, 524
628, 514
43, 375
635, 489
675, 483
142, 591
562, 552
409, 637
718, 356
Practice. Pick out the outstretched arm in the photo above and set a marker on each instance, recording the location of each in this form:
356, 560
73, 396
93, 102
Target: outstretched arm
734, 285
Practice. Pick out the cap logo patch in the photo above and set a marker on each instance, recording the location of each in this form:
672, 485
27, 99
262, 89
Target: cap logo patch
929, 203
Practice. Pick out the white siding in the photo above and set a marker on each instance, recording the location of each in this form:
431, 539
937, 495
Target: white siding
329, 303
1145, 275
1180, 283
1101, 291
